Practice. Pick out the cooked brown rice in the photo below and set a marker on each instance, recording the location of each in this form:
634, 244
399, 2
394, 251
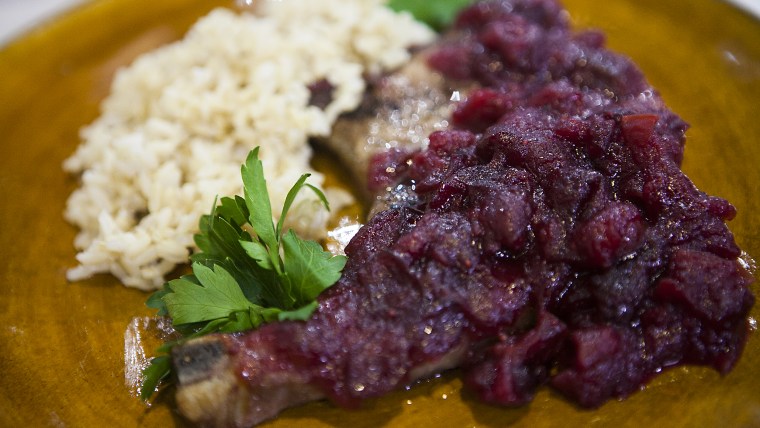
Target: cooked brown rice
180, 120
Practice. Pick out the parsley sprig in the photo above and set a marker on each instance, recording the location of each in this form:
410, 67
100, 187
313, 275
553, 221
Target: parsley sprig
249, 271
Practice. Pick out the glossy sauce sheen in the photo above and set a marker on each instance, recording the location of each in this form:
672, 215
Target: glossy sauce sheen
554, 237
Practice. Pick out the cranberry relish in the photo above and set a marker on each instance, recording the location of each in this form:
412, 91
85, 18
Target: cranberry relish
558, 196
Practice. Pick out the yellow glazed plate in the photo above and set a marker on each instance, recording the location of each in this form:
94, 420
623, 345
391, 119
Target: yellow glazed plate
62, 344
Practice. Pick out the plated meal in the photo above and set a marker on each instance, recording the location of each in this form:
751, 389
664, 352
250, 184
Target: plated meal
529, 241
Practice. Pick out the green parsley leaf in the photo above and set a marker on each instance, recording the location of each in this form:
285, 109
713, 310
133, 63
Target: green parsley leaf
248, 271
435, 13
156, 301
217, 296
259, 207
258, 252
300, 184
299, 314
234, 210
309, 269
158, 370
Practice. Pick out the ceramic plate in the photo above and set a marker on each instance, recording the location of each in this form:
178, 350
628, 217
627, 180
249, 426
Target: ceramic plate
62, 344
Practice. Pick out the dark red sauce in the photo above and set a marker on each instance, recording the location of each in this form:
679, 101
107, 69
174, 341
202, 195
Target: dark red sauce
549, 238
560, 192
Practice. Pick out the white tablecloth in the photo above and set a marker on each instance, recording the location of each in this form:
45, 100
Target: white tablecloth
18, 16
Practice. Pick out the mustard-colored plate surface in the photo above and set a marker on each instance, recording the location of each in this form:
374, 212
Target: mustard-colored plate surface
62, 344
